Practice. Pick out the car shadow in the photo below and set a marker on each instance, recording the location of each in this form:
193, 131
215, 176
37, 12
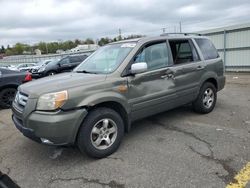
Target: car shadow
61, 154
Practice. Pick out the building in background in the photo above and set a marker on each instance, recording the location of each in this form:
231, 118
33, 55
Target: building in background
84, 47
233, 44
38, 52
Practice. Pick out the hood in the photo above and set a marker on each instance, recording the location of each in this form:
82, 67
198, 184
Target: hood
59, 82
35, 67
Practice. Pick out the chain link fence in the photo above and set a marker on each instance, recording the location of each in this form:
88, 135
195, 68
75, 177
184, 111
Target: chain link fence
17, 59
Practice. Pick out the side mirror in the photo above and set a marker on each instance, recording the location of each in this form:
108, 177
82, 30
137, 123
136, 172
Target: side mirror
139, 68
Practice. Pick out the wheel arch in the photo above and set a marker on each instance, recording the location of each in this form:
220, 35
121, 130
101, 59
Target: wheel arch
9, 86
118, 107
213, 81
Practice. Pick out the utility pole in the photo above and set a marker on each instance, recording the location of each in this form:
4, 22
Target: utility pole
180, 27
163, 30
46, 47
120, 34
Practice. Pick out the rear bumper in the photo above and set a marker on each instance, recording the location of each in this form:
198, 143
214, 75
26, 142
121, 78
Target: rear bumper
57, 128
221, 82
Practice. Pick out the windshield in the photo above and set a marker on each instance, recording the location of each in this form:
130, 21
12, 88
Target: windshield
106, 59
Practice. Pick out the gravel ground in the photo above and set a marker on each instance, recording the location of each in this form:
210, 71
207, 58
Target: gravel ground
178, 148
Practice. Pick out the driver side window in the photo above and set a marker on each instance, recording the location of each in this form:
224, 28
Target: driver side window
64, 61
155, 55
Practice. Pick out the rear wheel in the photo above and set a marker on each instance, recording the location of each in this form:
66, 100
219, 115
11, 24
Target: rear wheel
101, 133
206, 99
6, 97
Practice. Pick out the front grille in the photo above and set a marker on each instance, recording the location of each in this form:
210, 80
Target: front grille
21, 99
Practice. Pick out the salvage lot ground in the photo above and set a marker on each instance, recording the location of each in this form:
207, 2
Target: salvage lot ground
178, 148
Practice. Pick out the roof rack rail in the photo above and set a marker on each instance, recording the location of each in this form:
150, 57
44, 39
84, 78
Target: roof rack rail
185, 34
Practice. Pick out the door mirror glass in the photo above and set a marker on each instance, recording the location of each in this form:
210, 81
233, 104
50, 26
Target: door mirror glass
139, 67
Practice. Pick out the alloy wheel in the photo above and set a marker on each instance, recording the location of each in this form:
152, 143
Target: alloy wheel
103, 134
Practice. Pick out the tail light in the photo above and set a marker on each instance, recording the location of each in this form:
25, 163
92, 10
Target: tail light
28, 77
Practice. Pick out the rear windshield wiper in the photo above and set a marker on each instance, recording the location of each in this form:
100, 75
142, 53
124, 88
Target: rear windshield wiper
87, 72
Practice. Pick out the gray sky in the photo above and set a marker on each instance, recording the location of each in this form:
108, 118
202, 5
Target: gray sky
31, 21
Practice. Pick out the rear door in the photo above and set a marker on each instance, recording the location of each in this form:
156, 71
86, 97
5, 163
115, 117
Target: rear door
188, 68
154, 90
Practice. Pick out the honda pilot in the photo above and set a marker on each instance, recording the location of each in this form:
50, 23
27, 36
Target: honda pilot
94, 105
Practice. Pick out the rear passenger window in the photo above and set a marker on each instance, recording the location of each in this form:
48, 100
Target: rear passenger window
75, 59
183, 51
155, 55
207, 48
64, 61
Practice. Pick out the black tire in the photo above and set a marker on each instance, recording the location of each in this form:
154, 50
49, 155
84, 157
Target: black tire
51, 73
7, 96
85, 134
199, 105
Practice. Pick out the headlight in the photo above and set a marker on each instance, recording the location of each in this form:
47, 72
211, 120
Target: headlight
52, 101
41, 69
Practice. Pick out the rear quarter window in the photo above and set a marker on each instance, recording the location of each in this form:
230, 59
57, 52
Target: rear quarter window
207, 49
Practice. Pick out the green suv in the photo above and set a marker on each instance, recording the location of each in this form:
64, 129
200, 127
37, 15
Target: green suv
94, 105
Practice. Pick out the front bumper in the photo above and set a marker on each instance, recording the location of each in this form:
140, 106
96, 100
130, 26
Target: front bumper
26, 132
37, 75
59, 128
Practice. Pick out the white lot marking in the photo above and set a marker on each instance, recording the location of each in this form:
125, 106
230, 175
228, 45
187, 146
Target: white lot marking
219, 129
56, 153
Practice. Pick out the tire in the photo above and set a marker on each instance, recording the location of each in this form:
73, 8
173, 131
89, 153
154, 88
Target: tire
6, 97
206, 99
51, 73
92, 137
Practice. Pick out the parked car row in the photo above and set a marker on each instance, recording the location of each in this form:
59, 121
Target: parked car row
13, 76
50, 66
55, 66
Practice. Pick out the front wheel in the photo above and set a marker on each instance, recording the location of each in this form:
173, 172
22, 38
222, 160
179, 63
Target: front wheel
206, 99
101, 133
6, 97
51, 73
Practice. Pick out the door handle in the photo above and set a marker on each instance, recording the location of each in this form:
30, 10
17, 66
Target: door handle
164, 76
169, 75
200, 67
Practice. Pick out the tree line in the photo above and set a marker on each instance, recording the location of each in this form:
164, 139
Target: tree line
52, 47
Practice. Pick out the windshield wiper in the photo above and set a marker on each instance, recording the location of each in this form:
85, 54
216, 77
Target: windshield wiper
85, 71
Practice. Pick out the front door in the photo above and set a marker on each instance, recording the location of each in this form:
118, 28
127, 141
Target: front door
64, 65
153, 91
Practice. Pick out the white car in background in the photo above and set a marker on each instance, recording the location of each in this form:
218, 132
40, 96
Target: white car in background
22, 67
40, 64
